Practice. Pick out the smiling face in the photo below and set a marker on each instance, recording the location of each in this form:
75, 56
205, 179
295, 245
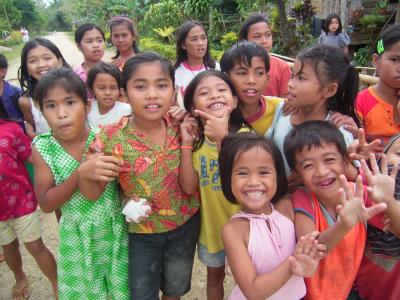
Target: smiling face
40, 60
319, 169
106, 91
150, 91
65, 113
122, 38
254, 180
388, 66
92, 45
249, 81
260, 33
195, 43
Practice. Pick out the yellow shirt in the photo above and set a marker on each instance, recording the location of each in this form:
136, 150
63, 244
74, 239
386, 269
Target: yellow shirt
215, 210
262, 119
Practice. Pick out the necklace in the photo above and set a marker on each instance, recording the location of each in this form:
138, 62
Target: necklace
192, 71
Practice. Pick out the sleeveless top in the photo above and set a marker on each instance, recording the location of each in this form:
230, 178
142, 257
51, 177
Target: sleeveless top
41, 125
269, 248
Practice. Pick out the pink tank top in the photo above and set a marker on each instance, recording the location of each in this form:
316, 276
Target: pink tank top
269, 248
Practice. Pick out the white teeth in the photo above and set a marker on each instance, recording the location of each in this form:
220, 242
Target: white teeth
254, 194
152, 106
216, 106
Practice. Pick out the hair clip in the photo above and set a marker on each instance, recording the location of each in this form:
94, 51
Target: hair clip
121, 18
379, 47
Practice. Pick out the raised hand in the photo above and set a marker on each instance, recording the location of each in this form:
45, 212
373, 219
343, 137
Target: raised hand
352, 209
177, 113
215, 128
289, 109
381, 185
360, 148
100, 167
349, 124
189, 128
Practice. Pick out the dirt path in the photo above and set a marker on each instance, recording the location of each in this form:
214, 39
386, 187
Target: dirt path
40, 287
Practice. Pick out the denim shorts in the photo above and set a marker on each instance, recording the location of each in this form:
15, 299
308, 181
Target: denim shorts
162, 261
213, 260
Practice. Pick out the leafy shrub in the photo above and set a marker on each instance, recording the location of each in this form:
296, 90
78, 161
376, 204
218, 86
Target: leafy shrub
363, 56
150, 44
216, 54
13, 39
228, 39
376, 20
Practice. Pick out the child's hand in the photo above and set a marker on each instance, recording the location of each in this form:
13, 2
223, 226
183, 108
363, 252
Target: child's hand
100, 167
177, 113
381, 185
306, 256
351, 209
349, 124
189, 129
216, 128
360, 148
289, 109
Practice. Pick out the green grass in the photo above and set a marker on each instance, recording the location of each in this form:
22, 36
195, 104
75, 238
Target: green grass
14, 53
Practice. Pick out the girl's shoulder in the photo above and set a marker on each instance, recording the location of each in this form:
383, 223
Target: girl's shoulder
237, 226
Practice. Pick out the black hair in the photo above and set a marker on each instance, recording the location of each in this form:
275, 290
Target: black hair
389, 37
119, 20
236, 119
64, 77
145, 57
242, 52
331, 64
312, 134
27, 82
104, 68
81, 30
181, 54
327, 22
253, 19
234, 145
3, 62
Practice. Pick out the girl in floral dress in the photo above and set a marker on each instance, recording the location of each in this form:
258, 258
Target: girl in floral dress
92, 262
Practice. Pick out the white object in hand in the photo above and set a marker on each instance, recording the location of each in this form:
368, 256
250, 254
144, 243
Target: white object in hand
135, 211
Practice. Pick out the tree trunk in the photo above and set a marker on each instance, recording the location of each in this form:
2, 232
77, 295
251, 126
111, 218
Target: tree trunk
287, 33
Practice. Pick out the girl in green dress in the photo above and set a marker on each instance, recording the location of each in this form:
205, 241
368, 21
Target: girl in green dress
92, 262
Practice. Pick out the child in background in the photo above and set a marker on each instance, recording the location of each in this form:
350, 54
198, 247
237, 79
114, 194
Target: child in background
104, 81
257, 29
211, 98
247, 65
377, 106
90, 40
37, 58
316, 152
260, 240
93, 254
9, 94
333, 35
19, 219
123, 37
143, 152
323, 81
379, 272
192, 54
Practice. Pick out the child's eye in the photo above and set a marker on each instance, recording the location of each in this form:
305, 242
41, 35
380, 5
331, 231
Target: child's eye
241, 173
330, 159
265, 172
241, 73
222, 89
50, 106
260, 73
162, 86
307, 166
140, 87
70, 102
203, 93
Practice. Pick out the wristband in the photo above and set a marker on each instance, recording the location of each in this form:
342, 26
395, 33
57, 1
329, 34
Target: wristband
187, 147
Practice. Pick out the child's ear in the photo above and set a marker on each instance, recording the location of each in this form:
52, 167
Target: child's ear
375, 60
60, 63
330, 89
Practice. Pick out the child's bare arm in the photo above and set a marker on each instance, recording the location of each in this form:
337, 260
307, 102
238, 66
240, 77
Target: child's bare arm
188, 178
50, 196
95, 173
381, 186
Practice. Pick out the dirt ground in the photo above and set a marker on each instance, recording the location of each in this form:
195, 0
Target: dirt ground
39, 285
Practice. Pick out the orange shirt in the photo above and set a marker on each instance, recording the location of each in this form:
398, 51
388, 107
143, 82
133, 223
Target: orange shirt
279, 75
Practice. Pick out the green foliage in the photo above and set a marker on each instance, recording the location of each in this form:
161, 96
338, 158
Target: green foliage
165, 33
150, 44
197, 8
375, 20
161, 15
247, 8
363, 56
10, 16
228, 39
216, 54
13, 39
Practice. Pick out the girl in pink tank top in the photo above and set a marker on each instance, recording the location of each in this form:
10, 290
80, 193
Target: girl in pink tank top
260, 241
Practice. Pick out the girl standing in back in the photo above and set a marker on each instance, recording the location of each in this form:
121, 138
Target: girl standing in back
333, 35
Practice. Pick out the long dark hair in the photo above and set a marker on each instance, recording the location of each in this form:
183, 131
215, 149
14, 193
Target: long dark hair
325, 26
27, 82
118, 20
331, 64
181, 54
236, 119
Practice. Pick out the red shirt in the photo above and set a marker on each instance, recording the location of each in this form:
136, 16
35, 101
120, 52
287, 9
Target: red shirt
279, 75
17, 197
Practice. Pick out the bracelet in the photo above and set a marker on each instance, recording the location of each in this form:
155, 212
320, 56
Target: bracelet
187, 147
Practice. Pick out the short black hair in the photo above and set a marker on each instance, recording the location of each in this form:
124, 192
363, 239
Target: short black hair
242, 53
3, 62
81, 30
312, 134
104, 68
327, 22
389, 37
64, 77
235, 144
145, 57
253, 19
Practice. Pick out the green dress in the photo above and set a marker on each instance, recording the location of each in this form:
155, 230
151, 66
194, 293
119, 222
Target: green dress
93, 251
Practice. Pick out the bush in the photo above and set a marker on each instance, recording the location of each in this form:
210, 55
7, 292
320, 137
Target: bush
374, 20
150, 44
13, 39
228, 39
216, 54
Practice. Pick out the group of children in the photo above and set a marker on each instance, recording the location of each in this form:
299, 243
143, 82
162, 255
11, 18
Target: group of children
215, 173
